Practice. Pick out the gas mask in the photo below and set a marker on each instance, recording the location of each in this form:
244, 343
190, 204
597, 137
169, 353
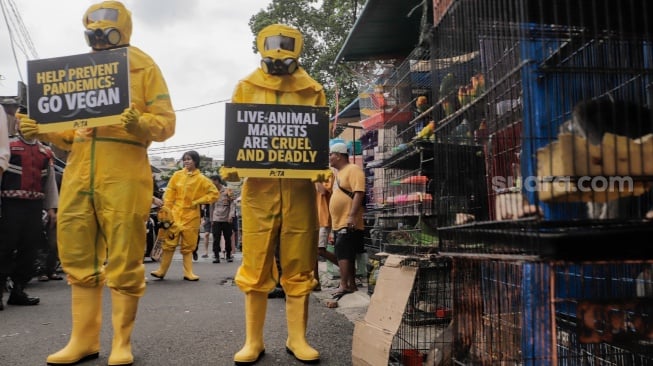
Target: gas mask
280, 46
109, 36
279, 67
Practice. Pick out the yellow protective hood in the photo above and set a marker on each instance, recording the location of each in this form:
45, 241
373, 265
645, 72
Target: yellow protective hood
278, 53
298, 81
123, 23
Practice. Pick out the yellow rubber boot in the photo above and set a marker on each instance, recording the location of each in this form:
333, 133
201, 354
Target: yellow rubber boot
166, 258
84, 343
297, 317
256, 304
188, 268
123, 314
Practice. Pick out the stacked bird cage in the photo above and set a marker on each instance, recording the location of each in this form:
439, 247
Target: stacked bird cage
425, 332
383, 99
529, 312
545, 109
403, 165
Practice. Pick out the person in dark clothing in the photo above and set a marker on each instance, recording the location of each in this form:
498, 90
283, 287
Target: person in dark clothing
49, 270
28, 187
205, 228
222, 213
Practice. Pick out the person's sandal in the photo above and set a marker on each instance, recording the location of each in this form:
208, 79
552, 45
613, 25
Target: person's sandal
339, 294
44, 278
55, 277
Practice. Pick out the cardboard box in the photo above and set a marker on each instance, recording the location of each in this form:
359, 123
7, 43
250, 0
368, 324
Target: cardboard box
373, 335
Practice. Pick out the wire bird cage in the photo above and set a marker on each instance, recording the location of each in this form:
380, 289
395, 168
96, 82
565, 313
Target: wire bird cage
552, 313
543, 145
551, 103
401, 163
425, 332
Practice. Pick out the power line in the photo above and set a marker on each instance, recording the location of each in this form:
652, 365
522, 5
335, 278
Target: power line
195, 144
25, 38
184, 147
202, 105
18, 35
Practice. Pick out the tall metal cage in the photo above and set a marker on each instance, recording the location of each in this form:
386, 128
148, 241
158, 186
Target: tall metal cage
544, 145
402, 165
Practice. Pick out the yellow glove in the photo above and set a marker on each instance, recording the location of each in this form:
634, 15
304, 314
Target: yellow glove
28, 127
130, 118
164, 215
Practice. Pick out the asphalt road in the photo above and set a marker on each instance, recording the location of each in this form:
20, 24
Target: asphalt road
178, 323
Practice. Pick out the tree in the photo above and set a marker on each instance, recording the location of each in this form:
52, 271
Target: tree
325, 25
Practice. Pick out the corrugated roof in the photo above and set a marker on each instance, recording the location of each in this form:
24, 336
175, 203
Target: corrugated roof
350, 114
351, 111
386, 29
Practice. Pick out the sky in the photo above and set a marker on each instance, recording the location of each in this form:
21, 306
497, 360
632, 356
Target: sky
202, 48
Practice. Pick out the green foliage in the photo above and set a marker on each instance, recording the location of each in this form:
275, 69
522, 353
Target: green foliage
325, 25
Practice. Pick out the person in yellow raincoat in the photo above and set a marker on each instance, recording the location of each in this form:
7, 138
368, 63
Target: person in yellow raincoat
187, 190
278, 212
106, 195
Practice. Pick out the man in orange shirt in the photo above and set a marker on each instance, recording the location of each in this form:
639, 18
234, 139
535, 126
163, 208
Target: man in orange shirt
323, 196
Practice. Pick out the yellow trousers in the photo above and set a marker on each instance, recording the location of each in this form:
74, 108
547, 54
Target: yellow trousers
278, 212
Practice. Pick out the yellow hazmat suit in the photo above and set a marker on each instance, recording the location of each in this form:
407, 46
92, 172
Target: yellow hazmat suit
106, 195
186, 191
278, 211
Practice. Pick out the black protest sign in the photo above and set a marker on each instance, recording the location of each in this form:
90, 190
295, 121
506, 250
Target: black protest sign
265, 140
86, 90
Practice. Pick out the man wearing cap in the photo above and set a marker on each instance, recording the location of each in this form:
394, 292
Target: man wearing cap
346, 209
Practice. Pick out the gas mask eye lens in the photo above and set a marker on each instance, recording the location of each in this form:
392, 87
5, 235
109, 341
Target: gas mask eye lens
279, 42
103, 14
